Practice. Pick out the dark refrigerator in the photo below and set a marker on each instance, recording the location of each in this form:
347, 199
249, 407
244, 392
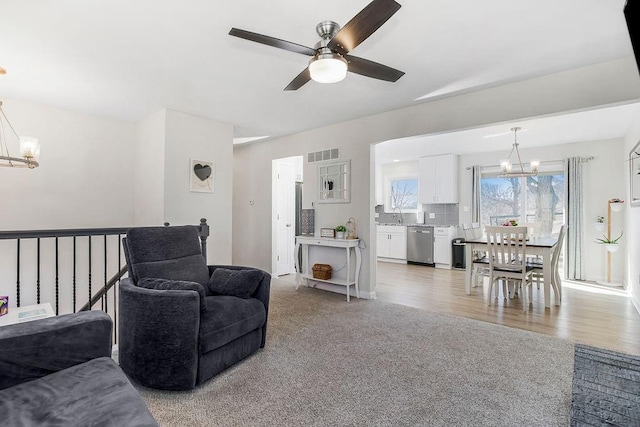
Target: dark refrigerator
298, 220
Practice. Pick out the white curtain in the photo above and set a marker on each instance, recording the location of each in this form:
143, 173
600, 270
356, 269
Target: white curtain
574, 264
475, 193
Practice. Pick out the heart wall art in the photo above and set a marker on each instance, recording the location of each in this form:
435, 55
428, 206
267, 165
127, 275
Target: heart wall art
201, 176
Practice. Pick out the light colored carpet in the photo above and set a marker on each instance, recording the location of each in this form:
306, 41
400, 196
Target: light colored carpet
329, 362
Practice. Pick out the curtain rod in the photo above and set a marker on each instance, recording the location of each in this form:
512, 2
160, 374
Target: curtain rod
584, 160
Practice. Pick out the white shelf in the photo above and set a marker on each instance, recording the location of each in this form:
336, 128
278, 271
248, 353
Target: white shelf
334, 281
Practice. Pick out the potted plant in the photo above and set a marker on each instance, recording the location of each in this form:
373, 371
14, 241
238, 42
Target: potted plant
616, 204
340, 231
599, 224
610, 244
510, 223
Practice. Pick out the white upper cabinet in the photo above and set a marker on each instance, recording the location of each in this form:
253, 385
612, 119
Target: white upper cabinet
438, 179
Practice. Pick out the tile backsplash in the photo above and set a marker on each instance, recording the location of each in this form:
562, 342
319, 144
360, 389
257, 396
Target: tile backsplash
389, 218
445, 214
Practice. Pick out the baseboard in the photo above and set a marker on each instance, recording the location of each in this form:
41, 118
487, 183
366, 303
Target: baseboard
635, 299
393, 260
339, 289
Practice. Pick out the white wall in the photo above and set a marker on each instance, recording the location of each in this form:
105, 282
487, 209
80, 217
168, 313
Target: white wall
611, 82
149, 170
85, 173
85, 180
599, 187
98, 172
191, 137
166, 142
632, 224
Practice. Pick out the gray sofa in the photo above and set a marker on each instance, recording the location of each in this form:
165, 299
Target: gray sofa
58, 372
176, 328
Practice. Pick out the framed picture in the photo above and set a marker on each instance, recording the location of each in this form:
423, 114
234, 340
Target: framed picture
201, 176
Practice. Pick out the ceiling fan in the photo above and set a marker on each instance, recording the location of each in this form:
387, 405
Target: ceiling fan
330, 59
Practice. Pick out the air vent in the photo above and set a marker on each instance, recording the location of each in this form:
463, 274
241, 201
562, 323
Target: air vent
320, 156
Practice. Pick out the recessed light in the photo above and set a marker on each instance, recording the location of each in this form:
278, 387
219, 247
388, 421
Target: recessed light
396, 160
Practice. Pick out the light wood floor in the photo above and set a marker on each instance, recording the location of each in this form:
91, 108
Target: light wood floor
588, 315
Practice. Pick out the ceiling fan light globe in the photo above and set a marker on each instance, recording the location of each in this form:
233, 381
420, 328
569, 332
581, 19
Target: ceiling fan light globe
328, 68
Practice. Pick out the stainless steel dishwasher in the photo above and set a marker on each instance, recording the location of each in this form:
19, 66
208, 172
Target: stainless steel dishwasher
420, 245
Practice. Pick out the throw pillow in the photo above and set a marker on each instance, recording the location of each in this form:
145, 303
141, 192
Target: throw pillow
237, 283
175, 285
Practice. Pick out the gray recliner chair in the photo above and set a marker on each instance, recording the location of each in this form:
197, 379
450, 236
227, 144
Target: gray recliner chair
181, 321
58, 372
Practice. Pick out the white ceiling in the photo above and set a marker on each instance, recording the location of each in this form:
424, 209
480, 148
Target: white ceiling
128, 59
594, 125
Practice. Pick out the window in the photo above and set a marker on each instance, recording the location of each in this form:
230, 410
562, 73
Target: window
534, 199
402, 195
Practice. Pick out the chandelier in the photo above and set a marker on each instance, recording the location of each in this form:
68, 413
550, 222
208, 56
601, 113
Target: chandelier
506, 165
29, 147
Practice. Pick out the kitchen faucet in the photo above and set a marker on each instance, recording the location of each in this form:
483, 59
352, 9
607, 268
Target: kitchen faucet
399, 218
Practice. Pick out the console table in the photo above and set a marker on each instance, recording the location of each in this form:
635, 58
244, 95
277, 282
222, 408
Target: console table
303, 243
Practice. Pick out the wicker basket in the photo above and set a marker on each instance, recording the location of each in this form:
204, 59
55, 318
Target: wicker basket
321, 271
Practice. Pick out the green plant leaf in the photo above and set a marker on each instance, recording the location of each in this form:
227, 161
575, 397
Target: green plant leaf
605, 240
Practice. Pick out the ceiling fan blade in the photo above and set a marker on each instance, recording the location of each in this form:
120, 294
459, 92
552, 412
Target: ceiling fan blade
372, 69
300, 80
272, 41
363, 25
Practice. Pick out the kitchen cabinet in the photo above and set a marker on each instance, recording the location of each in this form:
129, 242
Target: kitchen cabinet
442, 238
438, 179
392, 241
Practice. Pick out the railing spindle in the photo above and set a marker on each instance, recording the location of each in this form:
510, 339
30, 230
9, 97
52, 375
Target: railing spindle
57, 281
115, 292
38, 275
90, 273
18, 275
204, 233
74, 274
105, 299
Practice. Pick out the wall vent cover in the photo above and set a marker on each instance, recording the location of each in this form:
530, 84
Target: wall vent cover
320, 156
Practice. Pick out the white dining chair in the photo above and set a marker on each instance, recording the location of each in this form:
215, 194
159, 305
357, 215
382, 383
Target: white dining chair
534, 229
479, 260
507, 261
556, 283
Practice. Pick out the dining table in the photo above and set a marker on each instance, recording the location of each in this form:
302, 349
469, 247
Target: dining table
542, 247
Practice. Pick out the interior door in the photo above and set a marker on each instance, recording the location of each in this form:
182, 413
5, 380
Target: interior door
284, 219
